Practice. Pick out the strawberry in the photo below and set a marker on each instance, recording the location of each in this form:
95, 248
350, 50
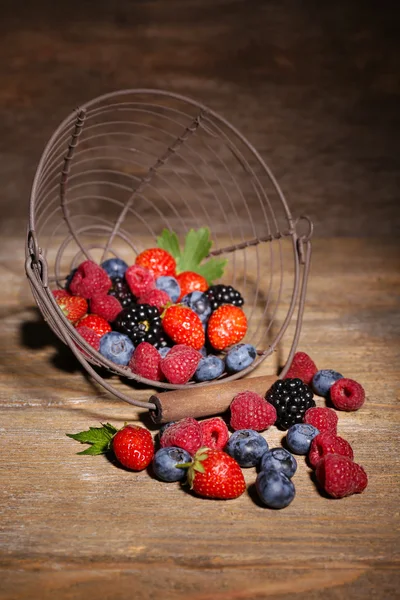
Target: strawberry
60, 294
189, 281
133, 447
98, 324
227, 326
73, 307
215, 474
183, 326
157, 261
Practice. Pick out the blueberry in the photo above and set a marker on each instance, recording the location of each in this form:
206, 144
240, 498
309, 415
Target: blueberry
324, 380
239, 357
164, 351
280, 460
246, 446
209, 368
114, 267
274, 488
165, 461
198, 302
203, 351
169, 285
116, 347
300, 436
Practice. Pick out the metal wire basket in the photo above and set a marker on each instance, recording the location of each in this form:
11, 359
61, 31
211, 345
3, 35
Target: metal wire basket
124, 166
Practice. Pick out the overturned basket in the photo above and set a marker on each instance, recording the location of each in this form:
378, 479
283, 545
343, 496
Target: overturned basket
126, 165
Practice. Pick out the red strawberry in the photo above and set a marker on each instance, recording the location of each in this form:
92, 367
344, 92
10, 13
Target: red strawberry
251, 411
90, 336
339, 476
227, 326
133, 447
155, 297
89, 279
105, 306
191, 282
185, 434
73, 307
157, 261
183, 326
98, 324
60, 294
215, 474
139, 280
145, 362
180, 363
328, 443
215, 433
302, 367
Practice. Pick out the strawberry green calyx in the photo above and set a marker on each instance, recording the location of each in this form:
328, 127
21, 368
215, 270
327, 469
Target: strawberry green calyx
196, 248
195, 465
99, 438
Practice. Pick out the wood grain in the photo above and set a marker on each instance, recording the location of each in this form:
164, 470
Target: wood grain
77, 527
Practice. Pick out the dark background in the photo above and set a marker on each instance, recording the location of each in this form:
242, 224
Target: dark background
314, 86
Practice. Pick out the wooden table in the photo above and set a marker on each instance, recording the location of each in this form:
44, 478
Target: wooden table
79, 527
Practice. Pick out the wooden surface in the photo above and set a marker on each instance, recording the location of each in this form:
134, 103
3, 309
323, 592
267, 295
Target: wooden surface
80, 527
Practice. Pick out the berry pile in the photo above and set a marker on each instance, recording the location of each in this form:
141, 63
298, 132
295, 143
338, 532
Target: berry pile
204, 455
166, 300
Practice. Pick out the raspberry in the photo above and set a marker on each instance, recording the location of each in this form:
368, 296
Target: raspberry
185, 434
156, 298
215, 433
324, 419
145, 362
251, 411
105, 306
339, 476
302, 367
89, 279
90, 336
347, 394
328, 443
98, 324
139, 279
180, 363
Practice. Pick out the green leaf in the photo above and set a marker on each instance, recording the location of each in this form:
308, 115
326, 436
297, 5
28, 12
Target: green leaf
168, 240
99, 438
197, 247
212, 269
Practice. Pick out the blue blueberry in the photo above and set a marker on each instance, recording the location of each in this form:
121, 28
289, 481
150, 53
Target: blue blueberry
275, 489
300, 436
165, 461
280, 460
246, 446
198, 302
209, 368
323, 381
170, 285
203, 351
239, 357
164, 351
70, 277
114, 267
116, 347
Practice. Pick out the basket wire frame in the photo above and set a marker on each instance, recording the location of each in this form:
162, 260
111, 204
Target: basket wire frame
126, 165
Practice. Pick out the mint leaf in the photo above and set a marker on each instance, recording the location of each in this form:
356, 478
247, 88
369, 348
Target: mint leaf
197, 247
99, 438
212, 269
168, 240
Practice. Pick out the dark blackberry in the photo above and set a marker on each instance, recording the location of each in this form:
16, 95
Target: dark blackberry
141, 323
120, 290
223, 294
291, 398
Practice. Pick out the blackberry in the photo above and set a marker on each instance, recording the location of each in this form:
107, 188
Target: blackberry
141, 323
291, 398
223, 294
120, 290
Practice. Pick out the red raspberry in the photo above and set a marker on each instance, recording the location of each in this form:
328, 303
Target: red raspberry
347, 394
215, 433
98, 324
339, 476
302, 367
145, 362
180, 363
90, 336
133, 447
105, 306
139, 279
89, 279
251, 411
328, 443
324, 419
185, 434
155, 297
